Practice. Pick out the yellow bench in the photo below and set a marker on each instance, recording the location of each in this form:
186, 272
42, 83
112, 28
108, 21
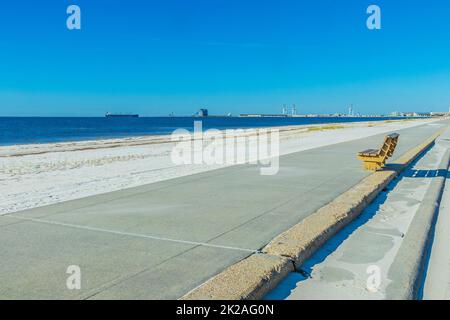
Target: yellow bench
374, 159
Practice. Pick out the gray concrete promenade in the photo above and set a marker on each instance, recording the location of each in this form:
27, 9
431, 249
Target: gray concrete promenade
161, 240
375, 256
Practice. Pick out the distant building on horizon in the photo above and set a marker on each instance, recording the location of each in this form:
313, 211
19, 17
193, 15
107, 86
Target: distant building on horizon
416, 114
439, 114
202, 113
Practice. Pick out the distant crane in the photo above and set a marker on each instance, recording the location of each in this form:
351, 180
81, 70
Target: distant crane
294, 110
351, 112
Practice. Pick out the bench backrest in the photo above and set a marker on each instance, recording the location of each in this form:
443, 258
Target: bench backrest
388, 147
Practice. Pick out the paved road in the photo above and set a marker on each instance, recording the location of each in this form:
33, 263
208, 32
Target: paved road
161, 240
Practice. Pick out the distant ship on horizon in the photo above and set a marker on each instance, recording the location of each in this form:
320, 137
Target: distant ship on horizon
116, 115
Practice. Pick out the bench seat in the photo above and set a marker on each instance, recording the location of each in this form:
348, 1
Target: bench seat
369, 153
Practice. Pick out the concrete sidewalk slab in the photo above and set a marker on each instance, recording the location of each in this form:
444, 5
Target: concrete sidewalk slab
437, 281
233, 207
387, 242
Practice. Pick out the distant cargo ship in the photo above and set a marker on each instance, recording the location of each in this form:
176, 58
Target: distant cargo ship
111, 115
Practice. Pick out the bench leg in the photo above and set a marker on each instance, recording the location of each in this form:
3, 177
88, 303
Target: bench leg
372, 166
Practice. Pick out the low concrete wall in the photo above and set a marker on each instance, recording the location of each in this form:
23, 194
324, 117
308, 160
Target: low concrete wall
409, 264
255, 276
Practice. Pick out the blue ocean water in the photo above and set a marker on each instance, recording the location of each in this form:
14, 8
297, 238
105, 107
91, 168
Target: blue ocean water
23, 130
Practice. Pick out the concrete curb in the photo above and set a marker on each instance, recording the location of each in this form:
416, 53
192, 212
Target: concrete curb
409, 265
246, 279
255, 276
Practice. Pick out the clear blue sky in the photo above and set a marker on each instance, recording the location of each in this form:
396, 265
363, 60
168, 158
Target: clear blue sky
157, 57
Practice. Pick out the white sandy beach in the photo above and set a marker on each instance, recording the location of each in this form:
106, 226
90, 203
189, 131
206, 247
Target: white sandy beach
43, 174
